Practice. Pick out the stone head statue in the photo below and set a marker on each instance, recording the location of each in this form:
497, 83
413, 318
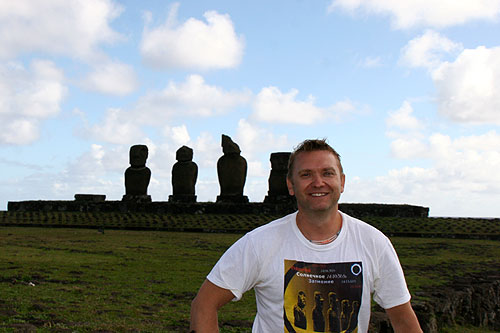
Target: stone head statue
278, 189
138, 156
279, 161
229, 146
184, 154
232, 172
137, 175
184, 175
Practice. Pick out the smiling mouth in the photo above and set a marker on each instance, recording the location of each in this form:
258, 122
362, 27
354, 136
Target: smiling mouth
318, 194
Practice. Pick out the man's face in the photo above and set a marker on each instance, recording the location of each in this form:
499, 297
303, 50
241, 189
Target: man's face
316, 181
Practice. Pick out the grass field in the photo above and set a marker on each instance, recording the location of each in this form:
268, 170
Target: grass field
474, 228
84, 280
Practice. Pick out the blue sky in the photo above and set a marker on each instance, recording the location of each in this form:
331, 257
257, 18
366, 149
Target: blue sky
408, 94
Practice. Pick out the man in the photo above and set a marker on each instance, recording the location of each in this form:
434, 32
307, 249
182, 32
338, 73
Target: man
317, 248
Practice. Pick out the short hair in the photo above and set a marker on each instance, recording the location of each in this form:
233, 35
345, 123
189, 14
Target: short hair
309, 146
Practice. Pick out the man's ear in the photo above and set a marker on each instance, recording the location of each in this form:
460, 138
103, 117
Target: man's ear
342, 182
289, 184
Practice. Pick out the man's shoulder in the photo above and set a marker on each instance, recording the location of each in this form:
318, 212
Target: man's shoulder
363, 226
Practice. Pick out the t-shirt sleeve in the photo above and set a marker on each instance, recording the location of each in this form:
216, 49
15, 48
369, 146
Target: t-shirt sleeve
390, 287
238, 269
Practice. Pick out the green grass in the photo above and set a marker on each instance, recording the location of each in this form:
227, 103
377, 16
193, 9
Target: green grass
61, 279
120, 280
433, 262
426, 227
466, 329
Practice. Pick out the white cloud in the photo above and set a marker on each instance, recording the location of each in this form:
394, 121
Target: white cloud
411, 13
428, 50
405, 130
468, 89
403, 118
194, 43
273, 106
254, 140
190, 98
407, 148
99, 170
36, 92
19, 131
207, 150
118, 127
73, 28
462, 176
112, 78
467, 86
28, 96
180, 135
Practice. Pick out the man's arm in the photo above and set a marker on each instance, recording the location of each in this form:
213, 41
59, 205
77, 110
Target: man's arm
403, 319
208, 301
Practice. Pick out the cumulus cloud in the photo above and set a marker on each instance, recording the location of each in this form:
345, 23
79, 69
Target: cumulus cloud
468, 85
206, 148
468, 89
112, 78
254, 140
118, 127
405, 130
273, 106
180, 135
403, 118
256, 144
192, 98
99, 169
462, 178
71, 28
213, 44
412, 13
27, 97
19, 131
428, 50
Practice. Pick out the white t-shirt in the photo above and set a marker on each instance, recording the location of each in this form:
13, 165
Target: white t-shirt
336, 280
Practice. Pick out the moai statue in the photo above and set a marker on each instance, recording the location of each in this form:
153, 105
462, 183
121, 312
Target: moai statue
184, 175
232, 172
137, 176
278, 191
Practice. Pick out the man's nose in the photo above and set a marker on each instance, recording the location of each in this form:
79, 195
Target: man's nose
317, 180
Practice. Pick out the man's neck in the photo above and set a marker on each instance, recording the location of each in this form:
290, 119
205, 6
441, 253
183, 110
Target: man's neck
317, 226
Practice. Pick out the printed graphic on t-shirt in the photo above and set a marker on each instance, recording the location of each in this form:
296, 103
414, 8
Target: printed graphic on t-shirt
322, 297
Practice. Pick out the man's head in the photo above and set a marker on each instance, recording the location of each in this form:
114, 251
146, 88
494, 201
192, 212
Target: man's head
315, 177
308, 146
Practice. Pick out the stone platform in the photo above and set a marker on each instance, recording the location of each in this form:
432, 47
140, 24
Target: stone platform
353, 209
